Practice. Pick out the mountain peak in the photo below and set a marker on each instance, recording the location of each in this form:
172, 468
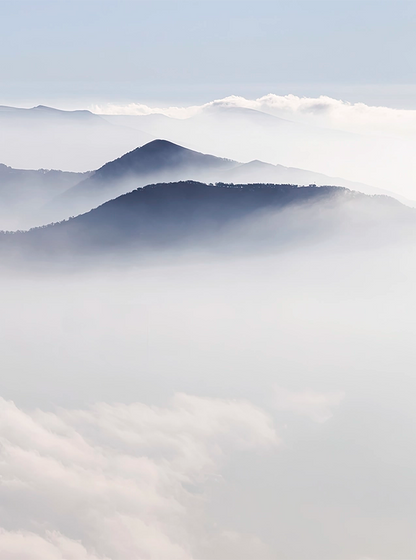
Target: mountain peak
160, 145
155, 149
155, 162
158, 156
44, 108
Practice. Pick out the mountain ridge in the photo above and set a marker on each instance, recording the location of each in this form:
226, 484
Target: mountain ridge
156, 161
164, 161
169, 216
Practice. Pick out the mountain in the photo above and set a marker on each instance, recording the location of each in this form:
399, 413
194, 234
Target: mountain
163, 161
23, 192
157, 161
237, 218
160, 156
244, 134
42, 112
260, 172
43, 137
235, 132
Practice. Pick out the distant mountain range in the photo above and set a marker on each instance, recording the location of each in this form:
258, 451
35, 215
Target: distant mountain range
23, 192
75, 141
29, 198
220, 217
245, 134
42, 137
163, 161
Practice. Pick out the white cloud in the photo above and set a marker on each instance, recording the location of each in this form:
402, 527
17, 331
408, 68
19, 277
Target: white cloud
326, 111
322, 111
19, 545
118, 481
314, 405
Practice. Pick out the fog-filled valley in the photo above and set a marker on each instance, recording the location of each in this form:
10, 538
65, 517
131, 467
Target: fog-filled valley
212, 407
204, 356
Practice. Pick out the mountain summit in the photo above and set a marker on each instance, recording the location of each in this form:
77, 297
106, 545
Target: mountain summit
156, 162
159, 156
161, 161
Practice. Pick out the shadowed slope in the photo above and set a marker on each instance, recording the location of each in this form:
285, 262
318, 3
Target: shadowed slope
156, 161
191, 214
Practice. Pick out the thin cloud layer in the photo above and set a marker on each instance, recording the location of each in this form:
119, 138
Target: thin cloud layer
321, 111
15, 545
119, 481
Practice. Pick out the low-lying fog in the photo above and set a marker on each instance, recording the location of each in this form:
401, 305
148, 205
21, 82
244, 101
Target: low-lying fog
255, 407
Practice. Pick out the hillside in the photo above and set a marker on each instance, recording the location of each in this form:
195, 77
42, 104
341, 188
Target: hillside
163, 161
191, 214
157, 161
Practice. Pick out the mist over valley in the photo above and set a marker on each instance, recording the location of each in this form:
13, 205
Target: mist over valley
207, 279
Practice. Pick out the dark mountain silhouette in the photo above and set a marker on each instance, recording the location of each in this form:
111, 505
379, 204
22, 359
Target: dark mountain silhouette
163, 161
194, 214
156, 161
159, 156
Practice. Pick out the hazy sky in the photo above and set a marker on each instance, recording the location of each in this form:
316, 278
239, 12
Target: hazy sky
195, 50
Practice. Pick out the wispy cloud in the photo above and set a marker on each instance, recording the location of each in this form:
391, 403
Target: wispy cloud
323, 111
117, 481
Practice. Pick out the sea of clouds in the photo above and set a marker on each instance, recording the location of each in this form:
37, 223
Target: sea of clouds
210, 409
117, 481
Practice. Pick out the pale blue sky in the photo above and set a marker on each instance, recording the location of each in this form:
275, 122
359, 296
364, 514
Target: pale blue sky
191, 51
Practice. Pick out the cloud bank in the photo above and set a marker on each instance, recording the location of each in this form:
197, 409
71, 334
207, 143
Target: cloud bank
322, 111
121, 481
